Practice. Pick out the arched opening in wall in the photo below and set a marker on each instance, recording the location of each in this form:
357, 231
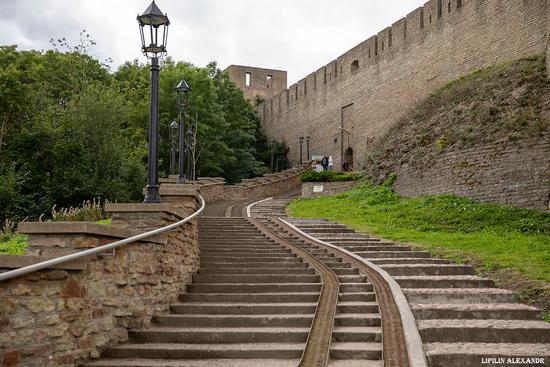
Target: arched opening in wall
348, 160
354, 65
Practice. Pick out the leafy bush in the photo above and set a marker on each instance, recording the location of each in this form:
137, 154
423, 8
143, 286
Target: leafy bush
13, 244
329, 176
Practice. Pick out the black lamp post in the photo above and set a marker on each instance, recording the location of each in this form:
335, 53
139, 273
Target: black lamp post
183, 90
308, 157
150, 22
273, 142
173, 135
301, 144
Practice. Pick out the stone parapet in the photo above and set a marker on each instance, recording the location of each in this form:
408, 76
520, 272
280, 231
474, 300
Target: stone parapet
60, 317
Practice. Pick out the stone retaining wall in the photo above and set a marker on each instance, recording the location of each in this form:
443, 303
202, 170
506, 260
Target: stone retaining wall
310, 189
59, 317
512, 173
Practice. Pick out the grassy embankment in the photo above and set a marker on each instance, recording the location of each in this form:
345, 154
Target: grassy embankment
509, 245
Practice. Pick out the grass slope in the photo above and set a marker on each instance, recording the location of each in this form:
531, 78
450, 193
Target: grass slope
456, 227
507, 102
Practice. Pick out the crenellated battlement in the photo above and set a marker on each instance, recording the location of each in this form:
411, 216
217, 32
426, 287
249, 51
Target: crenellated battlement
367, 88
421, 22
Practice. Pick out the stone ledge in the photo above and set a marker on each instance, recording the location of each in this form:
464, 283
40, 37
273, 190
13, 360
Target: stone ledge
172, 189
19, 261
88, 228
145, 208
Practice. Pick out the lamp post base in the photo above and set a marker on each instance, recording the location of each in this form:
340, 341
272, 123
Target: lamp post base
152, 195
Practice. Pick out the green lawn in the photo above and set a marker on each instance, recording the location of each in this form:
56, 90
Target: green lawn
454, 226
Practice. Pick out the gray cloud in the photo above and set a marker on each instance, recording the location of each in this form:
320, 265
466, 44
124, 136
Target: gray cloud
294, 35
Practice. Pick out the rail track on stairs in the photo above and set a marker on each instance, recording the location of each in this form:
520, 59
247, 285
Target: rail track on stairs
264, 297
278, 291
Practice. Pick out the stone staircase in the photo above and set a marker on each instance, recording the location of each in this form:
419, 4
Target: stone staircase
460, 316
251, 304
357, 333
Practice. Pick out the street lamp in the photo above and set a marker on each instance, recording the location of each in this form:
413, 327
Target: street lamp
273, 142
150, 22
308, 157
301, 144
183, 89
173, 134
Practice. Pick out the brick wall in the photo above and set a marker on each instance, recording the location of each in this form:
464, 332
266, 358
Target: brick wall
374, 83
513, 173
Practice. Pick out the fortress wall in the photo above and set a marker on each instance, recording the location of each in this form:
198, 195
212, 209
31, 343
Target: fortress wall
400, 66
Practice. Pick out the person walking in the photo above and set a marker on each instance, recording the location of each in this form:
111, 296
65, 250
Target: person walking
324, 163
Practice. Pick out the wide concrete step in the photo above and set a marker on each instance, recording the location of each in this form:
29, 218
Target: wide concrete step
355, 363
256, 288
243, 308
241, 334
248, 264
252, 250
414, 260
459, 295
296, 271
357, 297
357, 334
479, 311
251, 259
206, 351
141, 362
484, 331
359, 319
357, 307
473, 354
335, 229
356, 350
255, 278
381, 247
345, 271
443, 281
352, 278
242, 254
428, 269
206, 320
254, 297
370, 255
356, 287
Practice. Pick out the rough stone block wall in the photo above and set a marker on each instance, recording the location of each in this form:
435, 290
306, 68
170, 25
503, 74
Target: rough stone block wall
397, 68
260, 84
512, 173
329, 188
61, 317
212, 192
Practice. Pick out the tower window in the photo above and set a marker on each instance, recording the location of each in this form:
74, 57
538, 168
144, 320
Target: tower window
354, 65
248, 79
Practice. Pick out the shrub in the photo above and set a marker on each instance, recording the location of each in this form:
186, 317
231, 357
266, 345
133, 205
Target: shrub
90, 211
329, 176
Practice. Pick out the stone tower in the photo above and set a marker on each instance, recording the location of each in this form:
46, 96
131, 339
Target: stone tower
257, 82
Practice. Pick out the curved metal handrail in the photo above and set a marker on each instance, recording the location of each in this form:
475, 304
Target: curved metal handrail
77, 255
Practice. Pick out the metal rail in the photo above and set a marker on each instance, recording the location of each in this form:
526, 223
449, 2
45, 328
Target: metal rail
399, 326
77, 255
317, 349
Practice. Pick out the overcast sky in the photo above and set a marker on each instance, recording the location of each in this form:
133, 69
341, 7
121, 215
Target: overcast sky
294, 35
